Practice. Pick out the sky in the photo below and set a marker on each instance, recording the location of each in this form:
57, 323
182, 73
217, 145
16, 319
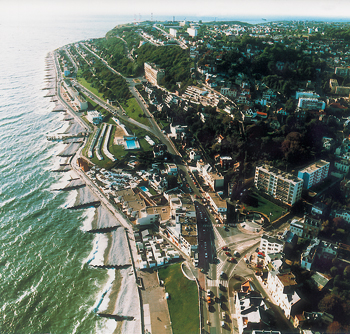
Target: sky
222, 9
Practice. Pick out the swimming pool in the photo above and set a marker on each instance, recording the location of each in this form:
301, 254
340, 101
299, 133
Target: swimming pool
131, 144
143, 188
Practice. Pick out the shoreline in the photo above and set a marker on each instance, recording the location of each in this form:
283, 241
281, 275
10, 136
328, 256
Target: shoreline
106, 221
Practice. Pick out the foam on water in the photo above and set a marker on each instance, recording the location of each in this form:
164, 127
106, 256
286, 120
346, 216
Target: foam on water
70, 200
99, 246
88, 216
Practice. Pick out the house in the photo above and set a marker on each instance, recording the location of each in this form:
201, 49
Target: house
194, 154
159, 150
177, 131
171, 169
297, 227
251, 311
318, 250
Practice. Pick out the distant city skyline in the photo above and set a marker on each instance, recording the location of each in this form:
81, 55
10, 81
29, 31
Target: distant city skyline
221, 9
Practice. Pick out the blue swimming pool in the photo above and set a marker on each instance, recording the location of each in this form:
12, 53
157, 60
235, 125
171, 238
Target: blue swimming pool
131, 144
143, 188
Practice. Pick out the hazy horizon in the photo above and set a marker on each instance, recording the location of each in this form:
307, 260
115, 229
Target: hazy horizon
251, 10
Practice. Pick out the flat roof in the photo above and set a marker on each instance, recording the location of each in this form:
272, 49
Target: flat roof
313, 167
162, 211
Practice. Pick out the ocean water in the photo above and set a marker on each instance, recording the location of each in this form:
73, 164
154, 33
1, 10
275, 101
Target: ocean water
46, 283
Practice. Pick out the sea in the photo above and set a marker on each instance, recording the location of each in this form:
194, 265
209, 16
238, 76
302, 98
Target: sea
46, 283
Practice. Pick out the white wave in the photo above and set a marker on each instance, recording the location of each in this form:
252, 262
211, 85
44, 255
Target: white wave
99, 247
70, 199
88, 216
103, 300
100, 243
62, 182
107, 326
29, 291
56, 148
10, 200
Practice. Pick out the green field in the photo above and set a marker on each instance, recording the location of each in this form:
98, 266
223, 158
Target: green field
183, 302
255, 202
88, 86
134, 111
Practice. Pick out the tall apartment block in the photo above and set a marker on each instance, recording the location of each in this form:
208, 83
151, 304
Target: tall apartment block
282, 186
153, 73
314, 173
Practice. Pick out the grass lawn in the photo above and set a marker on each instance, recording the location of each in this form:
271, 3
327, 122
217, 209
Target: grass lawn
88, 86
162, 124
258, 203
183, 302
134, 111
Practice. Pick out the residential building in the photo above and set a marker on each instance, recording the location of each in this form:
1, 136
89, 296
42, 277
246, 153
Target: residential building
192, 32
312, 227
81, 102
183, 234
309, 94
177, 131
342, 71
153, 215
333, 84
311, 104
171, 169
250, 311
343, 214
159, 150
314, 173
226, 162
318, 249
270, 244
273, 261
282, 287
342, 165
218, 204
173, 32
194, 154
94, 117
297, 227
342, 90
282, 186
153, 73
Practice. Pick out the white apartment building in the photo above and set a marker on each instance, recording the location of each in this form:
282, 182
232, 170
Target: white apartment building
309, 94
192, 32
270, 244
311, 103
282, 186
282, 289
314, 173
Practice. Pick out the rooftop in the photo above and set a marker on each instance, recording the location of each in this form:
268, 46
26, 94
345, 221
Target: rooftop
313, 167
287, 279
